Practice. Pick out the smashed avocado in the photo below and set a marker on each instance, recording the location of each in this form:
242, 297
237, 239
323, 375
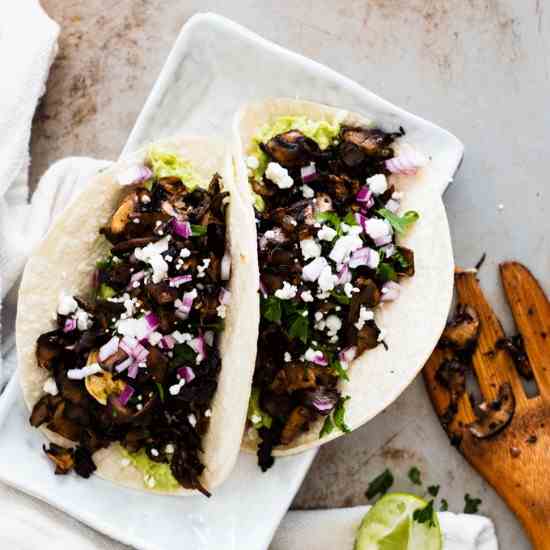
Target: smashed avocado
166, 164
157, 471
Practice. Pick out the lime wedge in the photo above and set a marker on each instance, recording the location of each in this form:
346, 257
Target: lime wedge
389, 525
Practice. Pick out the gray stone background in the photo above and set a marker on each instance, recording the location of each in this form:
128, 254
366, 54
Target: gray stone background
478, 68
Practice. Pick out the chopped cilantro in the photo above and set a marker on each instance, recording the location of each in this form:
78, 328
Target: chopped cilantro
339, 414
328, 427
350, 219
300, 328
400, 223
433, 490
105, 263
425, 515
414, 476
336, 366
149, 185
160, 390
331, 218
380, 484
271, 309
471, 505
198, 230
256, 415
400, 258
386, 272
340, 297
183, 354
444, 506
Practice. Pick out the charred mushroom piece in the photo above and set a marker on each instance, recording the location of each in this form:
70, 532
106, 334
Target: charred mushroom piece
129, 245
462, 332
323, 203
187, 469
292, 377
157, 364
64, 426
62, 458
291, 149
101, 385
452, 375
496, 415
515, 348
48, 349
321, 400
405, 263
113, 360
372, 142
162, 293
121, 414
44, 409
367, 338
122, 215
84, 465
297, 421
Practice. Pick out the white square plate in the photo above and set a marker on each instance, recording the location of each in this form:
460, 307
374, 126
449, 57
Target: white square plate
215, 65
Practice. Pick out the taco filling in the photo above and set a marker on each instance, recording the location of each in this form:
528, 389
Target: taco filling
328, 221
135, 361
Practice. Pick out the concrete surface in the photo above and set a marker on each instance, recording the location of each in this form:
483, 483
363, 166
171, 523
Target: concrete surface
478, 68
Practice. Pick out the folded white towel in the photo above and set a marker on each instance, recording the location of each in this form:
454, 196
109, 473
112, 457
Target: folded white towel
335, 529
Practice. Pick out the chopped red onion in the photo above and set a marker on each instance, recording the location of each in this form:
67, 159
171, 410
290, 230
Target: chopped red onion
186, 303
320, 359
183, 229
323, 404
360, 219
169, 209
70, 325
179, 280
364, 256
225, 267
344, 275
407, 162
392, 205
134, 174
308, 173
125, 364
197, 345
364, 194
390, 291
224, 296
381, 241
167, 342
137, 276
347, 355
108, 349
126, 394
152, 320
140, 353
187, 373
133, 371
128, 344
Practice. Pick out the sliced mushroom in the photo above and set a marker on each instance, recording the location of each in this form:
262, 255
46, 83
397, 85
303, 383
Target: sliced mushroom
372, 142
122, 215
291, 149
515, 348
292, 377
157, 364
297, 421
62, 458
367, 337
44, 409
64, 426
121, 414
495, 415
48, 349
452, 375
162, 293
462, 332
323, 203
84, 465
405, 265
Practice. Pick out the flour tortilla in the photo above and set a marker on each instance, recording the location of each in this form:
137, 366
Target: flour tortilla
415, 321
65, 261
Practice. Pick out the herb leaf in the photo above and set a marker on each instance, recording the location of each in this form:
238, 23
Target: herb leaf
380, 484
160, 390
299, 328
425, 515
336, 366
433, 490
328, 427
349, 219
271, 309
444, 505
198, 230
331, 218
471, 505
402, 223
414, 476
340, 297
386, 272
339, 413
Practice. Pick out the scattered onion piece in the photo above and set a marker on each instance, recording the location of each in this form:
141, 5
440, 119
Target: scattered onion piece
70, 325
109, 348
308, 173
126, 394
186, 373
390, 291
183, 229
407, 162
134, 174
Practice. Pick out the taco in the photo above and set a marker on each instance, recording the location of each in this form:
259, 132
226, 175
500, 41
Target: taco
355, 269
126, 330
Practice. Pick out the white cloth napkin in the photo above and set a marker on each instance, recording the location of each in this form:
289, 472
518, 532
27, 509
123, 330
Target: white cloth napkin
335, 530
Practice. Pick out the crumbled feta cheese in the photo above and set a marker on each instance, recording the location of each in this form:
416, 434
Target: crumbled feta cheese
378, 184
344, 246
287, 357
306, 296
279, 175
83, 321
333, 324
192, 420
312, 355
154, 452
333, 339
364, 316
252, 162
377, 228
326, 233
175, 389
313, 269
310, 249
133, 327
169, 449
50, 386
318, 315
221, 310
154, 338
185, 253
327, 280
320, 325
349, 289
139, 407
88, 370
255, 419
287, 292
307, 191
203, 267
181, 338
208, 413
151, 254
67, 304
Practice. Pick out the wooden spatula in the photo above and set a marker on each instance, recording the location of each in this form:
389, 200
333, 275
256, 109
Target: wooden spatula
516, 460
